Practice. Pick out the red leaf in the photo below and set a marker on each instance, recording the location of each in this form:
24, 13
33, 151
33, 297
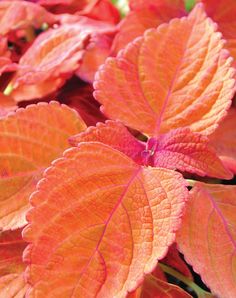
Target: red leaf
223, 13
154, 92
15, 15
52, 58
114, 134
207, 236
186, 151
99, 217
140, 4
97, 52
5, 57
79, 96
224, 140
157, 288
12, 283
149, 16
29, 140
174, 260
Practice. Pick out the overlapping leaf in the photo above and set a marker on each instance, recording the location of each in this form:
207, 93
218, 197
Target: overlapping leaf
143, 18
207, 236
7, 105
115, 135
140, 4
224, 140
99, 217
157, 288
52, 58
154, 92
186, 151
223, 13
12, 283
16, 15
29, 140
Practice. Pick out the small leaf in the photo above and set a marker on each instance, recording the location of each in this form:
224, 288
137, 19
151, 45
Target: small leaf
224, 140
29, 140
154, 92
207, 236
157, 288
52, 58
12, 283
15, 15
188, 152
98, 216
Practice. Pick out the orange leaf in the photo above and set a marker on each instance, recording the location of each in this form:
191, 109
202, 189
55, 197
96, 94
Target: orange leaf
12, 283
16, 15
188, 152
157, 288
140, 4
52, 58
207, 236
138, 21
114, 134
29, 140
99, 223
223, 13
7, 105
154, 92
224, 140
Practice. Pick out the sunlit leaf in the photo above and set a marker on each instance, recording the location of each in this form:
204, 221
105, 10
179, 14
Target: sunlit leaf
207, 236
153, 92
29, 140
99, 222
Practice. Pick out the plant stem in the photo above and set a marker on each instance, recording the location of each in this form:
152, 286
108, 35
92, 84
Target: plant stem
8, 89
191, 182
198, 290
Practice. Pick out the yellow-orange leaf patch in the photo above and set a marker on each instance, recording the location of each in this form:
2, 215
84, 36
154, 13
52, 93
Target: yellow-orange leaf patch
207, 236
176, 75
99, 222
29, 140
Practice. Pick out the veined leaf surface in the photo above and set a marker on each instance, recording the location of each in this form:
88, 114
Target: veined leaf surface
29, 140
207, 236
99, 222
174, 76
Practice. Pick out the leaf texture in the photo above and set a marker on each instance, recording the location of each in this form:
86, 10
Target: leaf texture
141, 19
223, 13
5, 57
188, 152
114, 134
98, 216
154, 92
29, 140
15, 15
12, 284
52, 58
224, 140
207, 236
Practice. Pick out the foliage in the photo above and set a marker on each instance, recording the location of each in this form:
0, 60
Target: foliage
117, 134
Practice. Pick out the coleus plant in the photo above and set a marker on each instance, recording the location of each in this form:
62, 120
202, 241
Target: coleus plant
108, 217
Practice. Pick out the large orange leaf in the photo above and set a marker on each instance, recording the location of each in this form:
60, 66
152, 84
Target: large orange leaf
207, 236
29, 140
154, 92
157, 288
224, 140
99, 222
52, 59
223, 13
12, 283
114, 134
186, 151
16, 15
149, 16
